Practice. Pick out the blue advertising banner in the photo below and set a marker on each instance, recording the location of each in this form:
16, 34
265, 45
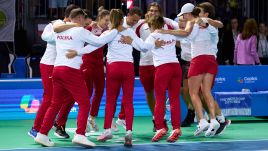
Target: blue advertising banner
236, 78
234, 103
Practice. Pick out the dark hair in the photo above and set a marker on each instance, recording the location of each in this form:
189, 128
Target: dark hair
156, 22
250, 28
68, 10
135, 10
208, 8
89, 15
116, 16
196, 11
155, 4
76, 12
102, 13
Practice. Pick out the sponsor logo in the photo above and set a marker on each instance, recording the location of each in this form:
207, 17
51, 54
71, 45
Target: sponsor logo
220, 80
29, 104
247, 79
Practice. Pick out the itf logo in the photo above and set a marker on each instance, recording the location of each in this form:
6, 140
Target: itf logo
240, 80
247, 79
29, 104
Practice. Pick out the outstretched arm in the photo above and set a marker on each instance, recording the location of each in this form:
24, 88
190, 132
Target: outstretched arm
63, 27
215, 23
188, 29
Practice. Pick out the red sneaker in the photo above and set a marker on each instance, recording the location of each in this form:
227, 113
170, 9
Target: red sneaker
159, 134
174, 136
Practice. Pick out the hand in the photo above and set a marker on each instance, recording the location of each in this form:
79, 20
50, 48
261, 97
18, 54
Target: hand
120, 28
126, 39
201, 23
71, 54
94, 24
159, 43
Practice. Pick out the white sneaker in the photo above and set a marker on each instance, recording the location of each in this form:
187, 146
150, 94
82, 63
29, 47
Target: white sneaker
43, 140
105, 136
121, 123
213, 127
201, 127
82, 141
92, 126
114, 127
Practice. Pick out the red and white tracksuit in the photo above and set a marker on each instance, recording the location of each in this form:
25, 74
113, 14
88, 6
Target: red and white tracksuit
168, 76
67, 76
147, 68
120, 73
93, 63
46, 69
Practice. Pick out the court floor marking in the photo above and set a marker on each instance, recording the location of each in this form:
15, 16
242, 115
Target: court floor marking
158, 143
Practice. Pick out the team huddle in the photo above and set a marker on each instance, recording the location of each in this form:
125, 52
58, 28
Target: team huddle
73, 66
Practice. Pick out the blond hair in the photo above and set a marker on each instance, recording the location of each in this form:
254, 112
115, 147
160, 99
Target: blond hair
116, 17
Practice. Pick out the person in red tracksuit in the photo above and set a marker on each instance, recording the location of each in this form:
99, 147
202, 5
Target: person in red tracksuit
146, 66
68, 79
93, 63
46, 69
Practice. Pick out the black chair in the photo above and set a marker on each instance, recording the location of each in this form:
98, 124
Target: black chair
33, 60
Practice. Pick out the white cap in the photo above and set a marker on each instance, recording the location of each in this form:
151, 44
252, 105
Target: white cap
186, 8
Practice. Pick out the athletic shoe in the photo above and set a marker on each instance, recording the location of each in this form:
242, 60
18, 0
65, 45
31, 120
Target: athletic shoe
154, 129
61, 133
223, 127
128, 139
202, 126
82, 141
174, 136
93, 125
105, 136
159, 135
213, 127
33, 133
189, 119
121, 123
43, 140
114, 127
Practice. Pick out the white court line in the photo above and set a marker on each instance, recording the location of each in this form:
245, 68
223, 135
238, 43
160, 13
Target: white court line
21, 80
178, 143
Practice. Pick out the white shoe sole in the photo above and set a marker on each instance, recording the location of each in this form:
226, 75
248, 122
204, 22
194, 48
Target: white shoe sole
83, 144
57, 135
43, 144
212, 133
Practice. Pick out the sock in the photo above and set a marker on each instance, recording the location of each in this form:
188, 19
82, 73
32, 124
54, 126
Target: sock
203, 121
220, 118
